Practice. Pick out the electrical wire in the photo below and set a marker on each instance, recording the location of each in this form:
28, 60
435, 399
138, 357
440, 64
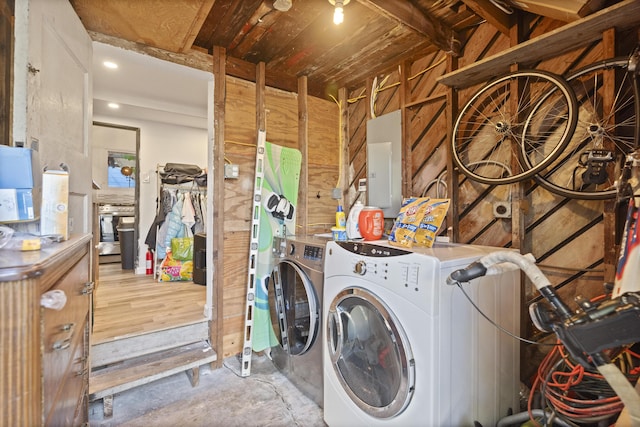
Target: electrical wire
379, 88
317, 224
339, 141
578, 395
358, 98
438, 182
246, 144
430, 67
500, 328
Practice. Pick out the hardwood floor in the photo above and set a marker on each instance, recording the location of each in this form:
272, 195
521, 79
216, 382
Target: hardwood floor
126, 304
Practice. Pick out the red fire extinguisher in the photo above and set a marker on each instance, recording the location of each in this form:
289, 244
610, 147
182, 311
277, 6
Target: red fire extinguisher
149, 262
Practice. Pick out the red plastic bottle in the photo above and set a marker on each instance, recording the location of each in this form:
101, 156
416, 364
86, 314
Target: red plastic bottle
149, 262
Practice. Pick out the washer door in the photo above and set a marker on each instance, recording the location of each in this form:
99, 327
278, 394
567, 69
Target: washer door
294, 308
370, 353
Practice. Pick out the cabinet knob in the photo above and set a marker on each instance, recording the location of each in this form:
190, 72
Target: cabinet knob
87, 288
67, 327
55, 299
62, 344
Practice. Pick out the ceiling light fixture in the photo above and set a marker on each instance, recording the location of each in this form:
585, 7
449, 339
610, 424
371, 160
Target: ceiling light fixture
282, 5
338, 13
113, 105
110, 64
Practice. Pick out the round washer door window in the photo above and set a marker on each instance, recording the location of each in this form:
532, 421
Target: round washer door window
370, 353
295, 315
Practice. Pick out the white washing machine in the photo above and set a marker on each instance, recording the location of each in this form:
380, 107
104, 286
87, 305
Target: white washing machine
295, 305
402, 348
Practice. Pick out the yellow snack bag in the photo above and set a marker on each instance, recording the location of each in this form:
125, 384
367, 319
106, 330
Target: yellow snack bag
408, 220
433, 215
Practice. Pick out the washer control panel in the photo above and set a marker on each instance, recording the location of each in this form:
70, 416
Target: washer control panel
314, 253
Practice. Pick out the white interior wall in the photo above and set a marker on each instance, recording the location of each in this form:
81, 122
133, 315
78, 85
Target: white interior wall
159, 143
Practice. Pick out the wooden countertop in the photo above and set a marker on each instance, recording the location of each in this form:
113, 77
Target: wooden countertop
19, 265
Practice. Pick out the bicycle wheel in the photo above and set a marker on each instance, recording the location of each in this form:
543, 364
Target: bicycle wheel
496, 131
593, 157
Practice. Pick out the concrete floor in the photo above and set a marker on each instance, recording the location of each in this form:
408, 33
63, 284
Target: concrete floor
223, 398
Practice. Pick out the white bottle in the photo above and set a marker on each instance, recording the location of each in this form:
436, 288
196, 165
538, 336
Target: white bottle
353, 230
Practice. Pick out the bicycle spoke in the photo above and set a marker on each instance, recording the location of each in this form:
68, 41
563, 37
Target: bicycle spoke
526, 113
591, 161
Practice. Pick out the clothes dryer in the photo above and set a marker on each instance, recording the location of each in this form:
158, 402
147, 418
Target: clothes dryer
402, 348
295, 304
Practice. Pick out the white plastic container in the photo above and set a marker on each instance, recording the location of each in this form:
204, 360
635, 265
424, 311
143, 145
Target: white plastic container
353, 230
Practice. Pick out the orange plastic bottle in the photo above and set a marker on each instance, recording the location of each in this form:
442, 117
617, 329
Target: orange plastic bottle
371, 223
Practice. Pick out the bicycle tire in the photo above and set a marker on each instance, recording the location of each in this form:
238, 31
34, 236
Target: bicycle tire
489, 139
611, 131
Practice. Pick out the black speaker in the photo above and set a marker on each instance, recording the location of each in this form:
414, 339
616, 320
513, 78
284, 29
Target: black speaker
200, 258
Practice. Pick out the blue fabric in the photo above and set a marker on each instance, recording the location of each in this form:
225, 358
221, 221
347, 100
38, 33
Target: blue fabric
172, 227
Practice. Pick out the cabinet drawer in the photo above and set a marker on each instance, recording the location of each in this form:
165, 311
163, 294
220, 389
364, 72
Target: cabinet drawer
63, 332
66, 407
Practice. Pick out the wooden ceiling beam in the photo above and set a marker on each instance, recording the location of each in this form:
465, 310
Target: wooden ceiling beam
196, 25
193, 59
405, 13
489, 12
203, 61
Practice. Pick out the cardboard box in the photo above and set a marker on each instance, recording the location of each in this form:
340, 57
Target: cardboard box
17, 166
54, 214
16, 204
566, 10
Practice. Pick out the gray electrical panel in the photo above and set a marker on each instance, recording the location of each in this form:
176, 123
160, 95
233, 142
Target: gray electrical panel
384, 163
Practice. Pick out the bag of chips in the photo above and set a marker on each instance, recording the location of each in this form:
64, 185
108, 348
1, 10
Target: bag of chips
408, 220
433, 217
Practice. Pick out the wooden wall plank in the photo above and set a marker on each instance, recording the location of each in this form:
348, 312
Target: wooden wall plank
217, 243
422, 77
236, 245
282, 118
302, 220
281, 114
323, 132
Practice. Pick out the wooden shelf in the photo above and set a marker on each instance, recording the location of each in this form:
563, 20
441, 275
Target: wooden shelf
573, 35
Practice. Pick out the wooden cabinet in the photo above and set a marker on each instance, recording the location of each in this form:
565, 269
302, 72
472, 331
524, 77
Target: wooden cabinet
44, 363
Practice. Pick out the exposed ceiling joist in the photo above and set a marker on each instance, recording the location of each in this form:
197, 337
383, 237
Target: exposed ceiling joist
198, 20
490, 13
409, 15
377, 35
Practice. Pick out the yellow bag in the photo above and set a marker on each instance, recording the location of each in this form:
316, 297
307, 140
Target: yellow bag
434, 214
406, 224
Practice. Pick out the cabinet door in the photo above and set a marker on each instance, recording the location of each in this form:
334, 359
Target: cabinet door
6, 64
53, 96
64, 358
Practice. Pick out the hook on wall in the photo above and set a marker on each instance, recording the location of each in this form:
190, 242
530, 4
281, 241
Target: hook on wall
318, 195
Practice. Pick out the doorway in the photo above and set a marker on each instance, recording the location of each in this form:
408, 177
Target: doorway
159, 102
115, 173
